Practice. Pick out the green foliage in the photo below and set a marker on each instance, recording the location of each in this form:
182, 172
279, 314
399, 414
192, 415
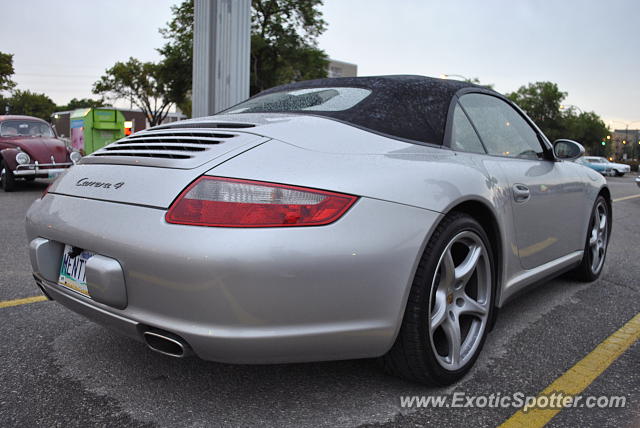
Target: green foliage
6, 71
283, 42
283, 46
142, 83
542, 101
29, 104
76, 103
176, 66
588, 129
476, 81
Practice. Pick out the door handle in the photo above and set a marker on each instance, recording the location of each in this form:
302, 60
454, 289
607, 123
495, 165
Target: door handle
521, 193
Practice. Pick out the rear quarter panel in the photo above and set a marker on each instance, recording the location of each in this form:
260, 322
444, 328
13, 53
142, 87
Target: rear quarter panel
434, 179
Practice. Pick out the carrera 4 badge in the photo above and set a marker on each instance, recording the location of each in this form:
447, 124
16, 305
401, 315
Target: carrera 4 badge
86, 182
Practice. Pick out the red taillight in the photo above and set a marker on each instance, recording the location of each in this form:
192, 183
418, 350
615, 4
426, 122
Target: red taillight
228, 202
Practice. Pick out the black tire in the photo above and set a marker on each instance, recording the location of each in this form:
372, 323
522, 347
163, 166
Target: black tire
7, 179
619, 174
585, 272
412, 356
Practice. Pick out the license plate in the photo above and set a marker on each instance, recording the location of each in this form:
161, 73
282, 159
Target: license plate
72, 270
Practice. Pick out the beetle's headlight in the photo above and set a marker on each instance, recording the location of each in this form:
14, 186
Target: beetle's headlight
22, 158
75, 156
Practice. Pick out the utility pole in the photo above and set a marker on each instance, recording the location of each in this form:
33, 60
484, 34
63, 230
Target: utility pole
221, 49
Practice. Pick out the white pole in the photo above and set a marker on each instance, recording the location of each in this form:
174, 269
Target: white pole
221, 49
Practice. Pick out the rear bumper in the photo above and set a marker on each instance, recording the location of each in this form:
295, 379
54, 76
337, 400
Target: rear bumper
246, 295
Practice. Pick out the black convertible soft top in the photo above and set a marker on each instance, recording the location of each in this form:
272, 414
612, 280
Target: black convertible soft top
402, 106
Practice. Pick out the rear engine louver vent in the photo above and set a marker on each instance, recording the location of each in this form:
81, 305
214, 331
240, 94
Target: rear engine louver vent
169, 144
172, 147
228, 125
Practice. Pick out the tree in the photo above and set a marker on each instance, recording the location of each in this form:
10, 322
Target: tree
177, 63
142, 83
541, 101
76, 103
284, 42
476, 81
6, 71
283, 46
28, 103
588, 129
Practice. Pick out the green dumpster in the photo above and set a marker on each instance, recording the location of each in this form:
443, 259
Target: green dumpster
94, 128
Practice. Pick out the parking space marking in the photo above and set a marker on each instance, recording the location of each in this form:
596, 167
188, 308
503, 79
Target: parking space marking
626, 197
581, 375
26, 300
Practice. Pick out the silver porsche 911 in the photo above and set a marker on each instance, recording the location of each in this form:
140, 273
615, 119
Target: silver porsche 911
331, 219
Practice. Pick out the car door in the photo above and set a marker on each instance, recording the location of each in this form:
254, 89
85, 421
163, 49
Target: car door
547, 195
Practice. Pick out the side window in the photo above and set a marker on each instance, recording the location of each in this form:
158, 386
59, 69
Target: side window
503, 131
463, 136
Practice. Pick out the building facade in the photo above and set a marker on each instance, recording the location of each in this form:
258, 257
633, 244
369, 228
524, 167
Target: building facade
341, 69
626, 144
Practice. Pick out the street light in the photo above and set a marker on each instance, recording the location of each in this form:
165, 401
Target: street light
447, 76
571, 107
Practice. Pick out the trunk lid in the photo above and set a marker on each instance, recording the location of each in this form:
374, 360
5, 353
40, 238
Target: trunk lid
152, 167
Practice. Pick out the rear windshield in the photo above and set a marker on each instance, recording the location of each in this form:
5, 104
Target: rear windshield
310, 99
25, 128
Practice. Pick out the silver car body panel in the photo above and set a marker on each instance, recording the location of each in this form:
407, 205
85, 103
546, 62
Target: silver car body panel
136, 184
250, 295
306, 293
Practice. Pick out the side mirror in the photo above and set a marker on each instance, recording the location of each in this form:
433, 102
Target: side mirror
567, 149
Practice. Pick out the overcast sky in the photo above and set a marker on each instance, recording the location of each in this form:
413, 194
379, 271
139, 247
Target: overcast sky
589, 47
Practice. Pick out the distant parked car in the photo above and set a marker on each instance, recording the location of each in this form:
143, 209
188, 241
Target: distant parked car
596, 164
638, 181
29, 149
618, 169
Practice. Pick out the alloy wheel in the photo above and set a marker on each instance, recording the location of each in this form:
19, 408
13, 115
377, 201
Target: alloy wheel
460, 299
599, 236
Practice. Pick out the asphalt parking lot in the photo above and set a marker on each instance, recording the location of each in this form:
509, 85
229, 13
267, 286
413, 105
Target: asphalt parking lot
58, 369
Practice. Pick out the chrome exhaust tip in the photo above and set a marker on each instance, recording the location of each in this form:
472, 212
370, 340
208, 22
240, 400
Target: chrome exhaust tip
166, 343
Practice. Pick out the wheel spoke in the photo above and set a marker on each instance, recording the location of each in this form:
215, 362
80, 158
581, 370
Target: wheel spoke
471, 306
447, 272
465, 269
595, 257
439, 311
451, 329
602, 223
593, 238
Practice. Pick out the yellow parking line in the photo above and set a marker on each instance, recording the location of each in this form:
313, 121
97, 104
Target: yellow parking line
626, 197
9, 303
581, 375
